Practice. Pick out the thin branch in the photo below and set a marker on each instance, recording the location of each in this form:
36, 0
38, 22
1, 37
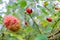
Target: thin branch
54, 25
2, 33
36, 25
55, 35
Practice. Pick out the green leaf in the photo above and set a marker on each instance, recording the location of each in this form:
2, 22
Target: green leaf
41, 37
15, 35
44, 23
8, 12
58, 38
14, 5
42, 9
0, 1
46, 3
1, 22
37, 0
59, 0
15, 14
0, 17
23, 3
47, 29
8, 6
39, 17
28, 29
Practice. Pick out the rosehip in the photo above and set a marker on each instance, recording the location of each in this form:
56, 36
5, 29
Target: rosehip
12, 23
29, 10
26, 23
57, 8
49, 19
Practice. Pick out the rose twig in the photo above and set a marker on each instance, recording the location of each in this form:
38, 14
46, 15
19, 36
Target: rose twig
54, 25
36, 25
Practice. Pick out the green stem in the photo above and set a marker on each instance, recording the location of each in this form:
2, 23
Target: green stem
47, 9
54, 34
2, 32
36, 25
54, 25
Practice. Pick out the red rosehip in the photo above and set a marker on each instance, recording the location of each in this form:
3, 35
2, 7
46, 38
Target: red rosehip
49, 19
12, 23
29, 10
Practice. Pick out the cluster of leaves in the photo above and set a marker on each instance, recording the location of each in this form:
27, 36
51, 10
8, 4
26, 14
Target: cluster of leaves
34, 26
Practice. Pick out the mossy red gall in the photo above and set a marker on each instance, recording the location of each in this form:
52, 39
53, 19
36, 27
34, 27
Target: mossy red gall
11, 23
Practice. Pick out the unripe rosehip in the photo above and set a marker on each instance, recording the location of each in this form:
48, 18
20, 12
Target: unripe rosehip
49, 19
11, 23
29, 10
